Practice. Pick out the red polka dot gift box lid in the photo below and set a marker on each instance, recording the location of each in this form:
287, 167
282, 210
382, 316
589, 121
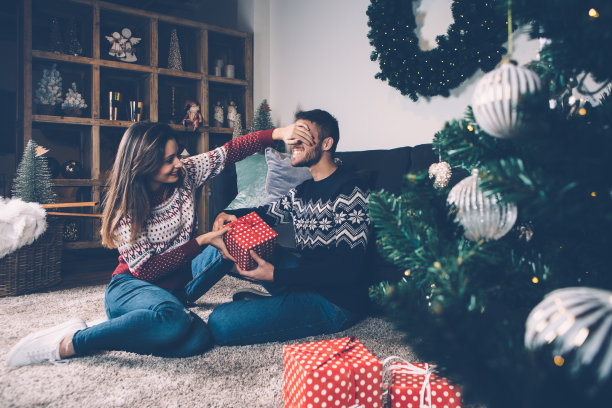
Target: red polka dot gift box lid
417, 385
246, 233
339, 373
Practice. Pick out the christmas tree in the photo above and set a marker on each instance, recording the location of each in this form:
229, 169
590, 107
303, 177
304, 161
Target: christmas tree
463, 297
33, 180
49, 90
175, 61
263, 121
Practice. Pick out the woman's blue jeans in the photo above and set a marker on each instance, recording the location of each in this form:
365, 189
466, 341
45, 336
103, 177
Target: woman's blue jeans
146, 319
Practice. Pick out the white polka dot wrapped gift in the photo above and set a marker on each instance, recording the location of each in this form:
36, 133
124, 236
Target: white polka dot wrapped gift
417, 385
246, 233
338, 373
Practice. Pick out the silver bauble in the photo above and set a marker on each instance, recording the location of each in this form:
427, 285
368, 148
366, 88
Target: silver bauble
577, 323
497, 96
482, 217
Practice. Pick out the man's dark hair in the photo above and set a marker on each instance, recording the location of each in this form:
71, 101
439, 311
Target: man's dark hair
328, 125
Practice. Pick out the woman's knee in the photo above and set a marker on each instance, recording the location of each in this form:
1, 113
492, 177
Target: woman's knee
174, 321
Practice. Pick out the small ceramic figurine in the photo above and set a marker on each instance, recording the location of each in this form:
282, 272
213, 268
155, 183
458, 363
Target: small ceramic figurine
218, 115
193, 116
116, 41
128, 45
231, 114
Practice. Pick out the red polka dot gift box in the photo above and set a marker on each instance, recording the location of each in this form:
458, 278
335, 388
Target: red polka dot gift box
246, 233
416, 385
339, 373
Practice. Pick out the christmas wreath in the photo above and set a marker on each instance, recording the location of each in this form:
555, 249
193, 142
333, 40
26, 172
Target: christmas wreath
474, 40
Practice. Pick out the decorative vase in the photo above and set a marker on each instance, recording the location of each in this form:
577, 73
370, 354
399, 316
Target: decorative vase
497, 96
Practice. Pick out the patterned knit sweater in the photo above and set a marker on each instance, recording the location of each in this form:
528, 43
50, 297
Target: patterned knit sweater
332, 231
163, 250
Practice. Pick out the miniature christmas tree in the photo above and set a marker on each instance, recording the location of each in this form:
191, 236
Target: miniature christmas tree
74, 46
33, 180
237, 126
74, 100
55, 36
49, 90
262, 120
174, 58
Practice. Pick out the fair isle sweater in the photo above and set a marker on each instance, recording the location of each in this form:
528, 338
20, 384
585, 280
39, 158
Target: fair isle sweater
332, 232
163, 250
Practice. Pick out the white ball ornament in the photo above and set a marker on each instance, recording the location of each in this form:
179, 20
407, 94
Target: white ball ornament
482, 217
577, 324
497, 97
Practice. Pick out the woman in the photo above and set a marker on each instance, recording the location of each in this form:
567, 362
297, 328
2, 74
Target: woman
149, 215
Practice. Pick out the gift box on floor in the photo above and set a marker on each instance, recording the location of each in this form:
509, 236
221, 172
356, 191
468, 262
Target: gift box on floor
416, 385
246, 233
331, 373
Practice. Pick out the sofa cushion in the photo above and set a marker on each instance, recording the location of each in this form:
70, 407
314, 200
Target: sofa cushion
251, 176
281, 176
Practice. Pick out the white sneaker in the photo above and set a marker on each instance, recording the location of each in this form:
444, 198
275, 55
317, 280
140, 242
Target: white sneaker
43, 345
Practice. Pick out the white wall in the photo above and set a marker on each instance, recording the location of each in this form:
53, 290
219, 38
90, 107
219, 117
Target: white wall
315, 54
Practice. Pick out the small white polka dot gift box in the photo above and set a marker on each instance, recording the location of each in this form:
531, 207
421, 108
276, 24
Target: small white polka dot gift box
246, 233
339, 373
416, 385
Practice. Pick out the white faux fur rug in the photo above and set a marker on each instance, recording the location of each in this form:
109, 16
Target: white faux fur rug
246, 376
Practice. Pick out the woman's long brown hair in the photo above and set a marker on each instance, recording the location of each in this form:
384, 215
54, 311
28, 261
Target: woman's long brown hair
139, 157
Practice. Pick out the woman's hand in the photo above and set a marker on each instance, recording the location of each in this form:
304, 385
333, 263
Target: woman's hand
222, 219
295, 133
215, 238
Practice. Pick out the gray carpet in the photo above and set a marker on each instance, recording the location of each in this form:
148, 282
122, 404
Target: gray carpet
247, 376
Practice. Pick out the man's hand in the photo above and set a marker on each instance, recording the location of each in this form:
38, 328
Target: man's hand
295, 133
215, 238
221, 220
263, 272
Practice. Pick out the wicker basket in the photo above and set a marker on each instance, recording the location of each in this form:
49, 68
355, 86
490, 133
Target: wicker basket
34, 266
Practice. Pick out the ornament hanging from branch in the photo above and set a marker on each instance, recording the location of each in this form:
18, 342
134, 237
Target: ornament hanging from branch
482, 216
575, 325
442, 172
496, 99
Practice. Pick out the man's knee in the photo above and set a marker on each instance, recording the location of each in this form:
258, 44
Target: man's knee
220, 323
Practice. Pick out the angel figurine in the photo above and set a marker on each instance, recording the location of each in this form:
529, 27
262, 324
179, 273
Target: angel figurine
116, 41
193, 116
232, 111
128, 45
218, 115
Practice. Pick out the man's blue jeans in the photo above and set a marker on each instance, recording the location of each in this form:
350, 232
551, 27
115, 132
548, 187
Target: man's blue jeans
283, 316
146, 319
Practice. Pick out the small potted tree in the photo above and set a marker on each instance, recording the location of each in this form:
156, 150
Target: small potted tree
74, 103
49, 92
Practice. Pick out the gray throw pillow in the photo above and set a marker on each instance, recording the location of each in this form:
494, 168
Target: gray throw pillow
281, 176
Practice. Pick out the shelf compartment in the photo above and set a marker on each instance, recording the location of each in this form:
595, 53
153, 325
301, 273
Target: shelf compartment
71, 73
188, 39
185, 89
227, 49
115, 22
131, 85
69, 16
225, 94
65, 143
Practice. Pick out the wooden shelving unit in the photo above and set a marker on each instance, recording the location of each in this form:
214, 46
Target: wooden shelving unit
92, 139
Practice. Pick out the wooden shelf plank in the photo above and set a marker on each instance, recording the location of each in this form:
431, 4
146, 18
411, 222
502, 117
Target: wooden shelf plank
78, 182
82, 244
56, 56
82, 215
230, 81
178, 74
72, 120
126, 66
69, 205
220, 130
115, 123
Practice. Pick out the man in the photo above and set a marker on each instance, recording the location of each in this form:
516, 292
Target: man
322, 288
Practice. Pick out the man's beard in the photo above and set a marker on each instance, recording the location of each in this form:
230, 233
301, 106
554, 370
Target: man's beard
310, 158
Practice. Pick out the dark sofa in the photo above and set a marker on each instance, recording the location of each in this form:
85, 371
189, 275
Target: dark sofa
383, 168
